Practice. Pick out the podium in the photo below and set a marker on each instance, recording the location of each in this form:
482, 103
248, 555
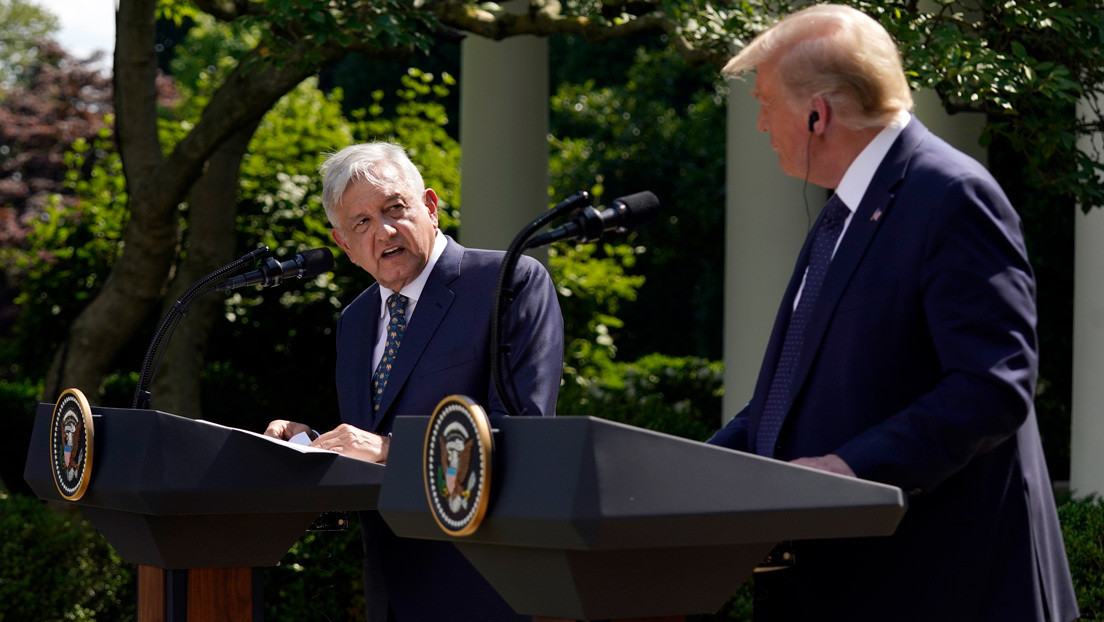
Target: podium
588, 519
201, 507
592, 519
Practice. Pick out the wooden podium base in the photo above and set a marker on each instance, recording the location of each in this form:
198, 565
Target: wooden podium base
200, 595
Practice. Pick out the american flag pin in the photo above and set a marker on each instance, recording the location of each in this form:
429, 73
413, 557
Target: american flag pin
876, 215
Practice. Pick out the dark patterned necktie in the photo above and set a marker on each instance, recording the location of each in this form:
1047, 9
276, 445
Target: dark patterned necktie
779, 396
396, 307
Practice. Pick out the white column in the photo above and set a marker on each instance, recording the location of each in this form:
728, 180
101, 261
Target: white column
765, 224
503, 137
1087, 428
961, 130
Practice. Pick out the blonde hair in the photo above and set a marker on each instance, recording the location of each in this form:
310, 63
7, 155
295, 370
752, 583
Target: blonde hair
835, 52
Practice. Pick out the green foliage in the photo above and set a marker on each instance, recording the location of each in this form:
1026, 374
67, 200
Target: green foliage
201, 62
679, 396
25, 24
1024, 63
55, 566
1082, 522
655, 129
320, 578
419, 123
280, 189
591, 290
311, 26
70, 249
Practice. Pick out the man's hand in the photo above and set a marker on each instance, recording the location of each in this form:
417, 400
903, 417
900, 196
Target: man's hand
283, 429
831, 463
355, 443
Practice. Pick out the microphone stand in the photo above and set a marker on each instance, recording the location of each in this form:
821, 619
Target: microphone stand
500, 351
142, 395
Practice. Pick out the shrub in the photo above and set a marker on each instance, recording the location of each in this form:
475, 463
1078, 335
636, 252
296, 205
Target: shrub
1083, 531
55, 566
320, 578
678, 396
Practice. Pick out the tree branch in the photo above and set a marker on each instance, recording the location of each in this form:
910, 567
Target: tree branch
229, 10
543, 18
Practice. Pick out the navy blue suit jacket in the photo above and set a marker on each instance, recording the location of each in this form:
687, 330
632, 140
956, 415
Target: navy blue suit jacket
446, 351
919, 370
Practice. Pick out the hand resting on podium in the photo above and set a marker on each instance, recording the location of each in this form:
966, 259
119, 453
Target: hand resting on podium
831, 463
345, 439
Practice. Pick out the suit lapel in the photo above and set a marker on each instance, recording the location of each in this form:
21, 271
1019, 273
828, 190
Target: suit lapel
434, 303
868, 218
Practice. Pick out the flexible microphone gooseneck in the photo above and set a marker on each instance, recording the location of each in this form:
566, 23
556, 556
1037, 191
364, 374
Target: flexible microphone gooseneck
304, 265
500, 371
587, 224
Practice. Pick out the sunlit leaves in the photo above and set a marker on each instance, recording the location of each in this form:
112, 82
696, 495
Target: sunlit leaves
301, 29
1025, 63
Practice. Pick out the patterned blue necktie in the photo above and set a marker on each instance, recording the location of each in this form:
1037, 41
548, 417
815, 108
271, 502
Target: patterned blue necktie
779, 396
396, 307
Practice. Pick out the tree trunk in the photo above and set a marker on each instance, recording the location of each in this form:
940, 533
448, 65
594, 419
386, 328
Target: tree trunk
210, 244
155, 186
135, 284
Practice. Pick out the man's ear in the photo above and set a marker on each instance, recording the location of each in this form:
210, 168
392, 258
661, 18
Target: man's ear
431, 199
339, 240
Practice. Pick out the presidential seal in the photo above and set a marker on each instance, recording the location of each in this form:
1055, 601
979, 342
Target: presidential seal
456, 461
71, 435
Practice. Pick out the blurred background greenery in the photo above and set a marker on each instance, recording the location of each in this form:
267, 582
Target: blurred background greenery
629, 111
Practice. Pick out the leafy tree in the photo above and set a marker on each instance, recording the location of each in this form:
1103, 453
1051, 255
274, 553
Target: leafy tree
655, 130
57, 100
977, 58
25, 25
295, 37
71, 240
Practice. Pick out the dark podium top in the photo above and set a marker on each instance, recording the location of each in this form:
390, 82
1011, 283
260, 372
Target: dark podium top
595, 519
588, 519
174, 492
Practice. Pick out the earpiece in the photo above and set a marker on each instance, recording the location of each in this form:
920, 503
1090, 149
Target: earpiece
814, 116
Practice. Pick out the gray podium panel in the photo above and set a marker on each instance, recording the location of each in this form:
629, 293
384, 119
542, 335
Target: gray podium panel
592, 519
173, 492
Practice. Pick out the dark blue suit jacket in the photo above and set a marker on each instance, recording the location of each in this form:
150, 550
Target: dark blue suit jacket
446, 351
919, 371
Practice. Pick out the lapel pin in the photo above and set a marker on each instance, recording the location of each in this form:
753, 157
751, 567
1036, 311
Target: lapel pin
876, 215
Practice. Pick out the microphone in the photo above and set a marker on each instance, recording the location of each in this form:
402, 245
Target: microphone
304, 265
588, 224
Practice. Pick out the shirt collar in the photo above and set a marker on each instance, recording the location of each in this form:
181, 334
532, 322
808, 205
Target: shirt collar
413, 289
857, 179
